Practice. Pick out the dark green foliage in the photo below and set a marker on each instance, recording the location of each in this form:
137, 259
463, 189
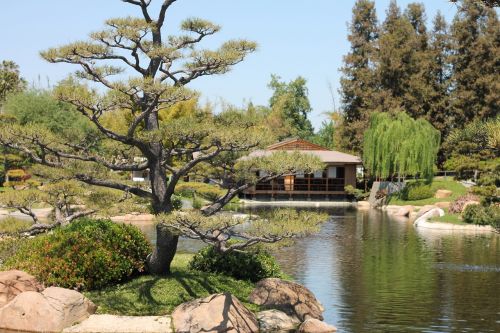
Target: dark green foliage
292, 101
176, 202
481, 215
359, 79
475, 33
87, 254
399, 145
254, 265
417, 191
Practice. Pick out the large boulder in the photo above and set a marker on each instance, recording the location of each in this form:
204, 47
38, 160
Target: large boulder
215, 313
276, 321
425, 209
441, 194
404, 211
49, 311
443, 204
14, 282
289, 297
312, 325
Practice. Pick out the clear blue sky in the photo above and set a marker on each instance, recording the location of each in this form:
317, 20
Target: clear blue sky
295, 37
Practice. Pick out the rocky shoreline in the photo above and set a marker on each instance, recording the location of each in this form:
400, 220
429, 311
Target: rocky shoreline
26, 306
422, 217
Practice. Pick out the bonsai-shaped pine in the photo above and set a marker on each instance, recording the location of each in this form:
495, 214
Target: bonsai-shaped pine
141, 72
227, 233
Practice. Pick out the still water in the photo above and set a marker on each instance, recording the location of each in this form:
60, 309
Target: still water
374, 273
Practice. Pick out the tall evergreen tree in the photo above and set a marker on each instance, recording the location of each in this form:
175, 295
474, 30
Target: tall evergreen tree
439, 49
417, 98
358, 82
476, 62
396, 65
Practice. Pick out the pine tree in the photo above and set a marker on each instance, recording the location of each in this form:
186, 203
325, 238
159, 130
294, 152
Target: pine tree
358, 82
440, 113
396, 65
475, 33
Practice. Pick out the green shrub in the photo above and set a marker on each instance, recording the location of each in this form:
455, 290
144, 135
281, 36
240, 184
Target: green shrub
477, 214
254, 265
176, 202
417, 191
87, 254
197, 203
354, 193
484, 191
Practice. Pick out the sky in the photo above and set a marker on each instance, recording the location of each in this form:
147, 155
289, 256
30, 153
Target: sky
295, 37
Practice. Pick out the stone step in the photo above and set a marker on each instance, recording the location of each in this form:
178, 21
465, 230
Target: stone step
122, 324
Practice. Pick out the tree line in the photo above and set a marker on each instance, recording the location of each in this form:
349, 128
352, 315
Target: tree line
445, 73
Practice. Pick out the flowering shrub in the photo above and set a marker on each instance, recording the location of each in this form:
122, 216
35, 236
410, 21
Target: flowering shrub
87, 254
457, 206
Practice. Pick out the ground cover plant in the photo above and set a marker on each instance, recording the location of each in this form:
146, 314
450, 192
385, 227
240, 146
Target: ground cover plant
159, 295
439, 183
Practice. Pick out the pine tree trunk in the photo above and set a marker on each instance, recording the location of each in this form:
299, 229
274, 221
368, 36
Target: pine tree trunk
159, 261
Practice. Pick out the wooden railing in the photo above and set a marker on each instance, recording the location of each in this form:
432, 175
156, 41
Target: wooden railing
304, 185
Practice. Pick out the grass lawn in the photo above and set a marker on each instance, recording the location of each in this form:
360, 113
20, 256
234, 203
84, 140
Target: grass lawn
12, 225
154, 295
439, 183
449, 218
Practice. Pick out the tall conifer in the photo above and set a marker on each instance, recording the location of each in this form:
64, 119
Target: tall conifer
358, 82
476, 62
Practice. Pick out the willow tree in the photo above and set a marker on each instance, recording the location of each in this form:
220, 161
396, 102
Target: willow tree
397, 145
141, 72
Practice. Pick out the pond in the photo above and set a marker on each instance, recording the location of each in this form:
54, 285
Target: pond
374, 273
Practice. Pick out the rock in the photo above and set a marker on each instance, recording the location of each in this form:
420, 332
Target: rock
274, 320
49, 311
441, 194
443, 204
289, 297
363, 205
468, 203
404, 211
14, 282
425, 209
312, 325
122, 324
215, 313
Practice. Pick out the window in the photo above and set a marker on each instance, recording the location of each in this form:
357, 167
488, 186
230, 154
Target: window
332, 172
318, 174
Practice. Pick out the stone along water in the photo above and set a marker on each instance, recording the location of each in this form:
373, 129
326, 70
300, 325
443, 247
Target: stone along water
374, 273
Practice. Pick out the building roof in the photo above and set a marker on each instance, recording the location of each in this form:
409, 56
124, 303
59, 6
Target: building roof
326, 156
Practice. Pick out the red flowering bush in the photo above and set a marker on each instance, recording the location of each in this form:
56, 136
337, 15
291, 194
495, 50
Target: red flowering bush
457, 206
87, 254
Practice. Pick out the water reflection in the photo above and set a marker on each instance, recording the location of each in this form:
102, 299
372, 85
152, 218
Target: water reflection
377, 274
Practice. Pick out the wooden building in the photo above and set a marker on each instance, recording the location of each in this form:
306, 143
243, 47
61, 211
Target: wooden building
339, 172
